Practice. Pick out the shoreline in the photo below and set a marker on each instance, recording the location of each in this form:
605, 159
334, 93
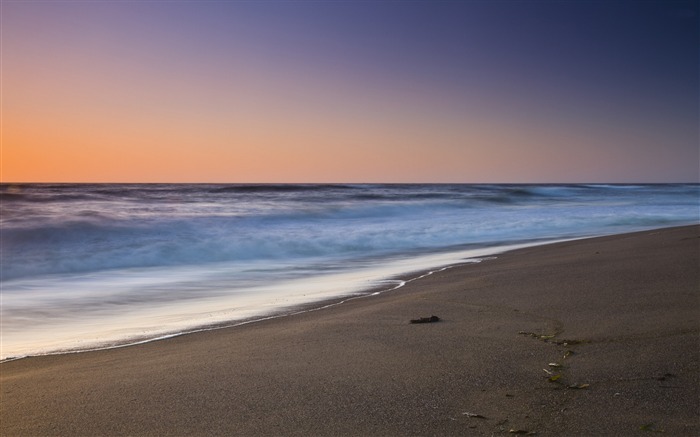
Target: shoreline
626, 305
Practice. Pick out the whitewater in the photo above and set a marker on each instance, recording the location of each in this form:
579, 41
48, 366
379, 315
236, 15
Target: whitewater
86, 266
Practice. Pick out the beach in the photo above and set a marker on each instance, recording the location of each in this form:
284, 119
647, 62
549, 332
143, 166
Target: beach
596, 336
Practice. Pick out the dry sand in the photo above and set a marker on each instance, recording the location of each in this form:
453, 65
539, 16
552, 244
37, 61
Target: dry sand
626, 306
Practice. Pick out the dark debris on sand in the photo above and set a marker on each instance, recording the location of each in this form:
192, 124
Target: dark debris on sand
431, 319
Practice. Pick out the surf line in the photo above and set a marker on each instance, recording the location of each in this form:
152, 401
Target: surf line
399, 284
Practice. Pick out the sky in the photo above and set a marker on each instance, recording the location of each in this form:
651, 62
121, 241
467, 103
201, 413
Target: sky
350, 91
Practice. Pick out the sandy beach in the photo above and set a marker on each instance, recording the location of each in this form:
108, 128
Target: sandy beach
590, 337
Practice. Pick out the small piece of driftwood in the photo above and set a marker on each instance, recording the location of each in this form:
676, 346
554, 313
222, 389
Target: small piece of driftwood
431, 319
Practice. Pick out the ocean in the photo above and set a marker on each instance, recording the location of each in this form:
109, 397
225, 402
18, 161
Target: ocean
89, 266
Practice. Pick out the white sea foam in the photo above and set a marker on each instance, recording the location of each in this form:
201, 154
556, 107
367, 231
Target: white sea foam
103, 328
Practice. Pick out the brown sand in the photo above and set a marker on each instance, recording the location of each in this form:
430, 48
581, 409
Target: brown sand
627, 306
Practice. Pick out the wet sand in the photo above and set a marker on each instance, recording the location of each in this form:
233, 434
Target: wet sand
619, 314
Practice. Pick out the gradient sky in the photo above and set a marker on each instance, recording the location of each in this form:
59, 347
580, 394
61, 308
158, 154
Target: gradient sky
351, 91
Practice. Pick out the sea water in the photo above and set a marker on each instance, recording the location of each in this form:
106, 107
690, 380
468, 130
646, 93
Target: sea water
86, 266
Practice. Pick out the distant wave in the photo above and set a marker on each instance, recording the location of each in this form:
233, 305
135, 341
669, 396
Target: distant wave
56, 228
280, 188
